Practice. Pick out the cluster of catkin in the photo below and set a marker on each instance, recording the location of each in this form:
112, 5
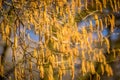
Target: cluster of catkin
60, 43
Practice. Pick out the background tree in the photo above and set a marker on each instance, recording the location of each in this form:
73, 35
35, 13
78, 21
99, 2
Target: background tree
47, 43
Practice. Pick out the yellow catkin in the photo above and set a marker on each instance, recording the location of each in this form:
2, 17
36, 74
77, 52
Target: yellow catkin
83, 54
15, 74
96, 20
106, 23
118, 3
31, 18
97, 24
98, 33
95, 56
92, 68
71, 19
101, 25
115, 5
102, 68
7, 30
2, 70
13, 55
33, 4
97, 76
57, 9
79, 6
112, 22
52, 60
15, 42
50, 73
91, 26
88, 66
100, 4
64, 1
41, 71
61, 11
0, 4
100, 57
19, 72
111, 4
104, 3
28, 36
96, 17
60, 74
86, 4
96, 1
114, 53
36, 13
78, 2
90, 37
35, 53
22, 72
108, 70
38, 63
101, 39
83, 67
104, 60
63, 68
3, 37
108, 44
30, 64
73, 7
72, 72
75, 52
